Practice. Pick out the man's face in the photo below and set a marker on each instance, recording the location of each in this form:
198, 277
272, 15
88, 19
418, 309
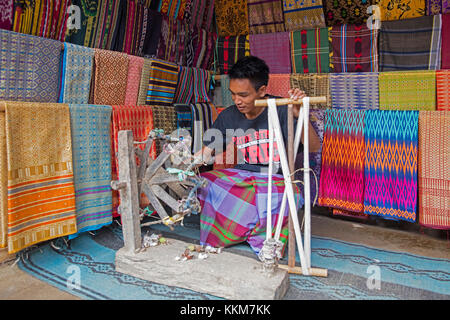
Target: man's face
244, 94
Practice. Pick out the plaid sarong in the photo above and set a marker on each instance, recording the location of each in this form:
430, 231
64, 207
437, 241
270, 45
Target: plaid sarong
234, 208
357, 90
310, 51
300, 15
443, 90
229, 50
390, 173
265, 16
274, 49
163, 77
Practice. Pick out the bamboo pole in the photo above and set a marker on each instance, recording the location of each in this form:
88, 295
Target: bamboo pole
317, 272
287, 101
291, 235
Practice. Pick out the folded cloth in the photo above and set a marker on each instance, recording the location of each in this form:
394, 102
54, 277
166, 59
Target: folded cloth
443, 90
265, 16
274, 49
163, 79
314, 85
229, 50
358, 90
231, 17
133, 79
401, 11
300, 15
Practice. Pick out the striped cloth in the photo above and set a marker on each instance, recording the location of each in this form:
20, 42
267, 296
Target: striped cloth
265, 16
184, 117
443, 90
274, 49
234, 208
342, 175
279, 85
76, 76
434, 169
300, 15
203, 49
228, 50
399, 52
231, 17
173, 8
193, 84
162, 83
152, 33
314, 85
403, 11
435, 7
203, 116
357, 90
310, 51
390, 173
29, 67
145, 79
41, 196
353, 48
133, 79
91, 144
408, 90
445, 37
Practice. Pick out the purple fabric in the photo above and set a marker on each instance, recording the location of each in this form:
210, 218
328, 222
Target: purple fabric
274, 48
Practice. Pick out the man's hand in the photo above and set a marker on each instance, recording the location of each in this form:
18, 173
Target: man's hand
296, 94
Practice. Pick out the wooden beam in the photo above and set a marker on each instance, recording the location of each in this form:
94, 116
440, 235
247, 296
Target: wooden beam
287, 101
317, 272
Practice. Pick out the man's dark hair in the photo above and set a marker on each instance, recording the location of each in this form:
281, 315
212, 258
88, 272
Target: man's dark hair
252, 68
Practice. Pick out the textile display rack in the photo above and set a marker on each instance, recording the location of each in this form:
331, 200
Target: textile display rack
267, 254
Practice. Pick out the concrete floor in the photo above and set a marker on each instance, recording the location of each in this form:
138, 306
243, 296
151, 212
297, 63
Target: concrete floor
18, 285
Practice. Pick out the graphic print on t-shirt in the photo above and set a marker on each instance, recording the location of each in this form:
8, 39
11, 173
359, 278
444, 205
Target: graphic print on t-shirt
253, 146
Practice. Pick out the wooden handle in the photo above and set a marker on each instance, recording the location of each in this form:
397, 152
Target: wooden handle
286, 101
316, 272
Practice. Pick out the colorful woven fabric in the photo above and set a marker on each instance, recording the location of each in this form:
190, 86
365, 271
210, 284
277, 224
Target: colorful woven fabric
265, 16
110, 71
162, 83
164, 117
193, 84
443, 90
29, 67
3, 182
229, 50
314, 85
390, 173
84, 33
234, 208
152, 32
133, 79
103, 23
173, 8
434, 169
445, 43
76, 76
310, 51
91, 144
408, 90
274, 49
143, 84
338, 12
231, 17
184, 117
204, 44
342, 175
299, 15
357, 90
41, 197
435, 7
172, 41
401, 9
203, 116
225, 88
199, 14
353, 48
279, 85
6, 14
398, 52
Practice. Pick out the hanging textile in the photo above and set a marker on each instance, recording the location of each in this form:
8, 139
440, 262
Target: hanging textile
353, 48
265, 16
399, 52
408, 90
76, 74
357, 90
314, 85
338, 12
138, 119
85, 35
443, 90
434, 173
118, 33
231, 17
279, 85
165, 118
162, 83
91, 145
103, 27
30, 67
310, 51
274, 49
403, 9
6, 14
234, 208
110, 72
445, 41
203, 116
184, 117
299, 15
435, 7
167, 49
203, 45
229, 50
143, 83
173, 8
342, 175
225, 88
41, 197
3, 182
193, 84
133, 79
152, 33
390, 173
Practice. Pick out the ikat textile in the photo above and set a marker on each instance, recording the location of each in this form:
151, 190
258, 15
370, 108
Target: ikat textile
173, 8
358, 90
265, 16
6, 14
437, 7
300, 15
443, 90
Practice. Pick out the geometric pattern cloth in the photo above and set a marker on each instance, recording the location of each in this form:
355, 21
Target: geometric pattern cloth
443, 90
314, 85
274, 49
162, 83
41, 197
299, 15
279, 85
435, 7
173, 8
401, 10
391, 139
339, 12
408, 90
133, 79
91, 148
353, 48
229, 50
434, 169
354, 90
265, 16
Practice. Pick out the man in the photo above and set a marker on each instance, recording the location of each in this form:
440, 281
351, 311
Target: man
234, 204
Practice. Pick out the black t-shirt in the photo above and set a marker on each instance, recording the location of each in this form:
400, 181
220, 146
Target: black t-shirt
250, 136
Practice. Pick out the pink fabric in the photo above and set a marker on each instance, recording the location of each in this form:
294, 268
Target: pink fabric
134, 79
445, 34
274, 48
279, 85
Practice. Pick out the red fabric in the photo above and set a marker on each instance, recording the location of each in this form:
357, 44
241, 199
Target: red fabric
445, 41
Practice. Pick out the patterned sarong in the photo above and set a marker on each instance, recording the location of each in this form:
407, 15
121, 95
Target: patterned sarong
401, 10
435, 7
434, 169
390, 173
231, 17
399, 52
91, 143
203, 116
41, 197
354, 90
338, 12
342, 176
274, 49
164, 117
310, 51
173, 8
193, 84
445, 37
203, 49
133, 79
234, 208
29, 68
6, 14
152, 29
229, 50
265, 16
443, 90
77, 67
409, 90
279, 85
299, 15
353, 48
314, 85
162, 83
184, 117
